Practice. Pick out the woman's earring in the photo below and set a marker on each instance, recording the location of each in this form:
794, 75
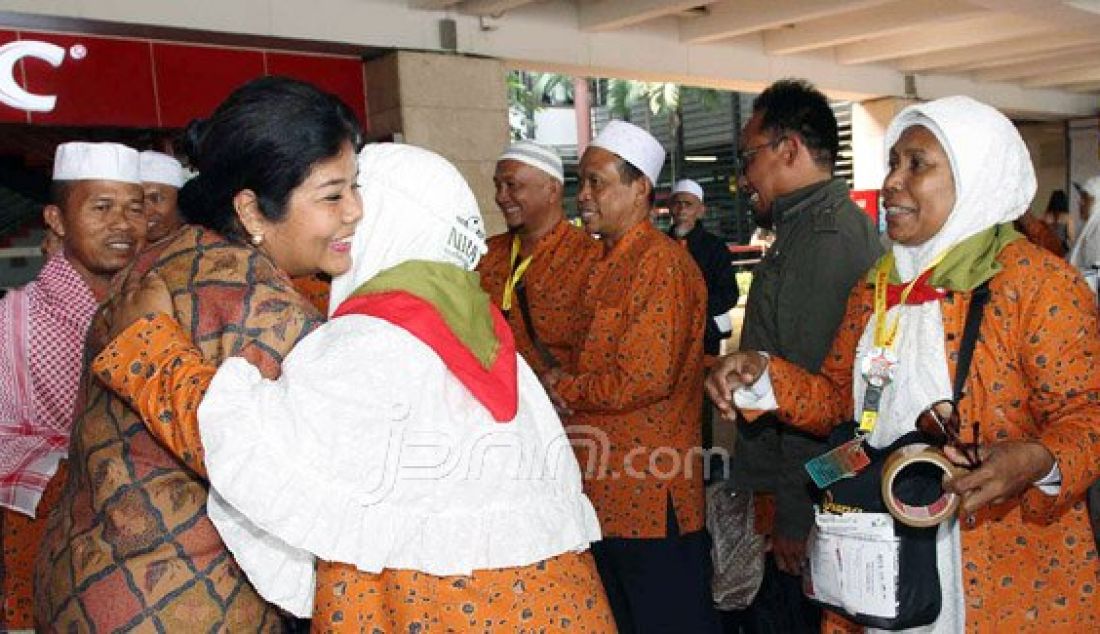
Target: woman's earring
257, 239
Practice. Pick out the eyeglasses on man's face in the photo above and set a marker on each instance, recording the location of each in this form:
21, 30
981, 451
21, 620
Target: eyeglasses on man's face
744, 157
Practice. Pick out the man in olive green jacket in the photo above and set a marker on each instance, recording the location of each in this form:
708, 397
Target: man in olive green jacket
823, 245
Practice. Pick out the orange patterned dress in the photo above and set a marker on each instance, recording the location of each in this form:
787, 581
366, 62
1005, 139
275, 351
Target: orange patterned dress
129, 545
563, 594
1029, 564
637, 387
556, 280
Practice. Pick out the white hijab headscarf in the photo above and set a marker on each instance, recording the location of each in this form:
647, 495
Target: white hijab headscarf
1086, 249
994, 183
393, 180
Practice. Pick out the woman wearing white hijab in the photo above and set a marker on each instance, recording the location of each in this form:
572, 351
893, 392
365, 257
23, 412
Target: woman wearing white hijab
407, 471
1022, 557
1085, 254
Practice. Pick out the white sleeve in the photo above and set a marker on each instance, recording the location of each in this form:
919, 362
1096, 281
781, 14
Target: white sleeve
759, 395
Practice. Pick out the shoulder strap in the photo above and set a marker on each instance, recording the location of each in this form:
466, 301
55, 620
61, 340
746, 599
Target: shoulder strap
978, 299
525, 312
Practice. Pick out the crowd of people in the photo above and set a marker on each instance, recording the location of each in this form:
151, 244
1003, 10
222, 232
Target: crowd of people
507, 433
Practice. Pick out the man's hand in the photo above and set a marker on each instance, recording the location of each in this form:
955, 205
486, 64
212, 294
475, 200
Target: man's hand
1008, 469
789, 554
732, 371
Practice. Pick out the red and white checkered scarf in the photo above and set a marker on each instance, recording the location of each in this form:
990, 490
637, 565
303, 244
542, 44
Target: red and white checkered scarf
42, 331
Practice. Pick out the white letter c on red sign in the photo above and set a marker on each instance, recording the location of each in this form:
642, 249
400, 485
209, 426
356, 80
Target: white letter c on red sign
11, 93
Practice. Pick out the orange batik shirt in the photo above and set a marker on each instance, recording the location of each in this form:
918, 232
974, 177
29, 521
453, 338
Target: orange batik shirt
1028, 564
555, 281
637, 386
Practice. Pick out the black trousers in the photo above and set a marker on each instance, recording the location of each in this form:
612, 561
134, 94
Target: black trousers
661, 584
779, 607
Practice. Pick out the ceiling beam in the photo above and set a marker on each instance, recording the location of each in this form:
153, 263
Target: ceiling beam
1078, 58
954, 35
731, 18
970, 57
1090, 87
618, 14
432, 5
1065, 77
860, 25
490, 7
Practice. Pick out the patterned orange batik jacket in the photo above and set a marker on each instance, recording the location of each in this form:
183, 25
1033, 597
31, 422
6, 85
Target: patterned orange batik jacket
1029, 564
638, 385
555, 280
129, 546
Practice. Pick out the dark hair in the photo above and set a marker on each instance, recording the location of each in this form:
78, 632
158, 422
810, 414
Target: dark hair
59, 193
266, 136
628, 173
1058, 202
794, 106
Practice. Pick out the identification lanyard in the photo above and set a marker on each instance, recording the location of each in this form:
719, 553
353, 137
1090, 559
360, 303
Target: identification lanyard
880, 363
514, 275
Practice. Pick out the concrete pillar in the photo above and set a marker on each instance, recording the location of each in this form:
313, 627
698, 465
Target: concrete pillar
869, 122
451, 104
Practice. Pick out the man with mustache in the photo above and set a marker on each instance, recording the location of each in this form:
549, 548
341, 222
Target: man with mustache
823, 244
98, 215
635, 392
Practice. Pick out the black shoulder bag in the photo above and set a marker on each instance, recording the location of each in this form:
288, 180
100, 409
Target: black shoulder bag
918, 583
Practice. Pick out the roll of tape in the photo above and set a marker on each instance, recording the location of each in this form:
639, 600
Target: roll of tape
918, 516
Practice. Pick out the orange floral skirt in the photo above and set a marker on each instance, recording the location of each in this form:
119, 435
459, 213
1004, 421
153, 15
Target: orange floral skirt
20, 537
563, 593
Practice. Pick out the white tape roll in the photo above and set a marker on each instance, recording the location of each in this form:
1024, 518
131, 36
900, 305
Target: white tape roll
918, 516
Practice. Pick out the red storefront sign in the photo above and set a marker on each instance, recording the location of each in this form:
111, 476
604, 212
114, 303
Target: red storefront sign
867, 200
126, 82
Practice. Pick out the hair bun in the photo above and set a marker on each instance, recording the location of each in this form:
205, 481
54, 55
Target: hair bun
191, 142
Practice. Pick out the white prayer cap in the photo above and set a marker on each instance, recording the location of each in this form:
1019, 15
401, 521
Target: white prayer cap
78, 161
161, 168
688, 186
635, 146
535, 155
1092, 187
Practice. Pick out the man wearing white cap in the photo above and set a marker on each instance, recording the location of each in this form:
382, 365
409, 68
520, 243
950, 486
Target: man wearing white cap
636, 393
537, 271
712, 256
98, 214
161, 178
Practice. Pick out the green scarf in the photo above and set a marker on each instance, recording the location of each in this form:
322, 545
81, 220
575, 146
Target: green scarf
455, 293
966, 265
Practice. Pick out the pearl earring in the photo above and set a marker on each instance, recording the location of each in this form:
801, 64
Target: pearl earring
257, 239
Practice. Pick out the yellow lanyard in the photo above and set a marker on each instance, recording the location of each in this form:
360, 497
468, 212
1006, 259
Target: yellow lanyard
886, 336
516, 272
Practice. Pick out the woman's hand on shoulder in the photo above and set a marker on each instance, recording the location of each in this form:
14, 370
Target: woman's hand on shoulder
138, 298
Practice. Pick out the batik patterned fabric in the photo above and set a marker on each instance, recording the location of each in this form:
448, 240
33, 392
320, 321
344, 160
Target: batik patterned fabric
638, 387
130, 545
556, 280
1029, 564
